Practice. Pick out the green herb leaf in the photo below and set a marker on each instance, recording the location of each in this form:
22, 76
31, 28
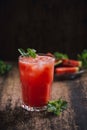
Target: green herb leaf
4, 68
29, 52
22, 52
83, 57
60, 55
57, 106
8, 67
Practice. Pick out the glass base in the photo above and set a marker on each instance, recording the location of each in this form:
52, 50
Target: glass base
28, 108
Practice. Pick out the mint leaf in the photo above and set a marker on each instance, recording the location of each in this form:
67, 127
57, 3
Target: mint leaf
83, 57
4, 68
57, 106
8, 67
22, 52
59, 55
29, 52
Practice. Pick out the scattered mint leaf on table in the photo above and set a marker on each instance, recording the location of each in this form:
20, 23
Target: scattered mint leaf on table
29, 52
57, 106
4, 68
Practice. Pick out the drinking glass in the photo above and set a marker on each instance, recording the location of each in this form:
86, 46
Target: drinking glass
36, 76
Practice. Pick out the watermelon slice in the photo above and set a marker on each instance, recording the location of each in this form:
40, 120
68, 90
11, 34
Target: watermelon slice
71, 63
66, 70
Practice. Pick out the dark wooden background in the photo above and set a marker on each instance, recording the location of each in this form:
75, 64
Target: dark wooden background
46, 25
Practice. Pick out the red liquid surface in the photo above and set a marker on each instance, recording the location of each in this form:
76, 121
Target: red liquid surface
36, 77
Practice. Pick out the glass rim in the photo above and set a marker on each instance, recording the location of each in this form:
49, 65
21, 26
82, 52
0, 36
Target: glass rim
38, 54
41, 54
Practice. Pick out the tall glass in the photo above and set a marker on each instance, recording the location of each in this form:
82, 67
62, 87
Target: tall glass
36, 75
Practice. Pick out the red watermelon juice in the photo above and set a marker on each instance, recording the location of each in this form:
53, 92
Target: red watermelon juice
36, 75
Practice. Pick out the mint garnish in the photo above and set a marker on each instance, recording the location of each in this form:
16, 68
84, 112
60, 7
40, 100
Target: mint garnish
57, 106
83, 57
59, 55
29, 52
4, 68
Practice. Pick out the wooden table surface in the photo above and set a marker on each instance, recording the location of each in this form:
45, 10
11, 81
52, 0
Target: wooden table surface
13, 117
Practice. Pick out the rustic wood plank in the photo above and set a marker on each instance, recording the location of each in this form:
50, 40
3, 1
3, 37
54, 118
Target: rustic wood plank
11, 90
13, 117
78, 97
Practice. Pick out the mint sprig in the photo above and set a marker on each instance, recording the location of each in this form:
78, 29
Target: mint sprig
4, 68
57, 106
83, 57
59, 55
29, 52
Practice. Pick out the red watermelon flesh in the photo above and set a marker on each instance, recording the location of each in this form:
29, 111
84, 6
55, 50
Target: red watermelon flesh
71, 63
66, 70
